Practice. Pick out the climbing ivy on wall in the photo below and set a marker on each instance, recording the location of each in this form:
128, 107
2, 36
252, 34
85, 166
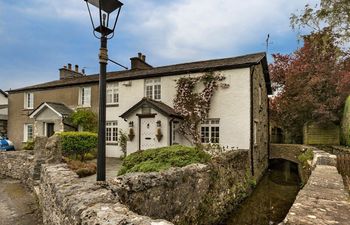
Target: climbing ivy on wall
194, 106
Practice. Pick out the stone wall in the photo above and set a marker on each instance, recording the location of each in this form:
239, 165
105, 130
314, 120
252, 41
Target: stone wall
68, 200
18, 165
323, 200
314, 134
292, 152
195, 194
260, 123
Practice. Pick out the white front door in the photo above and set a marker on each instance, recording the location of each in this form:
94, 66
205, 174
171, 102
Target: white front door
148, 133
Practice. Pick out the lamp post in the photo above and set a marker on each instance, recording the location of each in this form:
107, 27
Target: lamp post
103, 31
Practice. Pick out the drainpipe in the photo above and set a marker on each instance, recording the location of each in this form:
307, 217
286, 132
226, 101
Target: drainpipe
252, 69
171, 130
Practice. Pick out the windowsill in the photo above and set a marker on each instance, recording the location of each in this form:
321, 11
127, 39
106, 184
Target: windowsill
28, 109
111, 143
83, 106
112, 105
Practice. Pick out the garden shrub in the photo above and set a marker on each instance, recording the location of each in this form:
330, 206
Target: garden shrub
78, 143
159, 159
305, 156
83, 169
29, 145
84, 118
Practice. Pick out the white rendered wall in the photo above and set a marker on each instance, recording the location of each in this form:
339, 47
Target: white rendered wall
231, 105
3, 112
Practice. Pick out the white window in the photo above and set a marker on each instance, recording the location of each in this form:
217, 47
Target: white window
85, 97
112, 94
112, 131
28, 132
210, 131
29, 101
153, 88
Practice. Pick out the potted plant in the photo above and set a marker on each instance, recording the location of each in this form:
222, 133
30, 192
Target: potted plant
159, 134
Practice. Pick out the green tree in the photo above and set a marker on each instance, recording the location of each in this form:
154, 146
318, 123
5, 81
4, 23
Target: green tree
333, 14
311, 84
86, 119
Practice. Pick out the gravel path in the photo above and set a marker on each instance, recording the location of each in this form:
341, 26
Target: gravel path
17, 205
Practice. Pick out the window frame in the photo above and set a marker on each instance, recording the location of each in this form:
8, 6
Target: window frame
112, 132
82, 102
210, 127
29, 100
25, 133
114, 88
153, 88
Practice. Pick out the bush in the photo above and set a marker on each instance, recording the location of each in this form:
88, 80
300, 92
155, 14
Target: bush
78, 143
81, 168
29, 145
159, 159
305, 156
85, 118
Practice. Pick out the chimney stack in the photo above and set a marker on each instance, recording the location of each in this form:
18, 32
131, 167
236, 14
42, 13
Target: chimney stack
66, 72
139, 62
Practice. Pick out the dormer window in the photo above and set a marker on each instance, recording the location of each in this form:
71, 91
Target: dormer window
153, 88
29, 100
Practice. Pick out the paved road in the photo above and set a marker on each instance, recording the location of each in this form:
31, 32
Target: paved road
17, 205
112, 167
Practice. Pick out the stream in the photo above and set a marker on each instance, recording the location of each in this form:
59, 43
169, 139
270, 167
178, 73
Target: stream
272, 198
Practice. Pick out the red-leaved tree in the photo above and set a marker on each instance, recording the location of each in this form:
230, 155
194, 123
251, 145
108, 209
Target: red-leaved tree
311, 84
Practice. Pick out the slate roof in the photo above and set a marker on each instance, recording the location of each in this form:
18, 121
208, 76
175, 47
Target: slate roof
58, 107
4, 93
157, 105
177, 69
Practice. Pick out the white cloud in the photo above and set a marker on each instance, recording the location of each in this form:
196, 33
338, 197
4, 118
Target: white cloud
74, 10
189, 29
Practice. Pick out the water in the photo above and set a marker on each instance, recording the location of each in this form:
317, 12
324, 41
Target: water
272, 198
17, 205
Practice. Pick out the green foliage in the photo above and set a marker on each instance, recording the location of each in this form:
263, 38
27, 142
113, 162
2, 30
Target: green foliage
123, 141
85, 118
78, 143
159, 159
334, 15
29, 145
305, 156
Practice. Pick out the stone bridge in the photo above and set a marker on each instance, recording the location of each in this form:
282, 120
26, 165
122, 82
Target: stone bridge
323, 199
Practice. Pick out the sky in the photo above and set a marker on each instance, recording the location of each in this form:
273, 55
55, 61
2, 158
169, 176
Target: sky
37, 37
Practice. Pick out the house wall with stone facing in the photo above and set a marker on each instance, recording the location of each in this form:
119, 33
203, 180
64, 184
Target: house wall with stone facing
19, 116
260, 140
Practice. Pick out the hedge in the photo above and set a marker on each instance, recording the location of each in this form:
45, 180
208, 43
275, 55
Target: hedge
78, 143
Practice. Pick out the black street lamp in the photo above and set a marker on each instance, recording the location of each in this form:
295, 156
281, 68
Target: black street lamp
107, 21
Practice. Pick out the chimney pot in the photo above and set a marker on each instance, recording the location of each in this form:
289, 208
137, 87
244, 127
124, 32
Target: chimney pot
69, 66
65, 67
143, 58
83, 71
140, 55
77, 68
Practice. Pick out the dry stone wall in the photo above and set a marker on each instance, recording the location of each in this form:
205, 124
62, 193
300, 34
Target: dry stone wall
18, 165
68, 200
195, 194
